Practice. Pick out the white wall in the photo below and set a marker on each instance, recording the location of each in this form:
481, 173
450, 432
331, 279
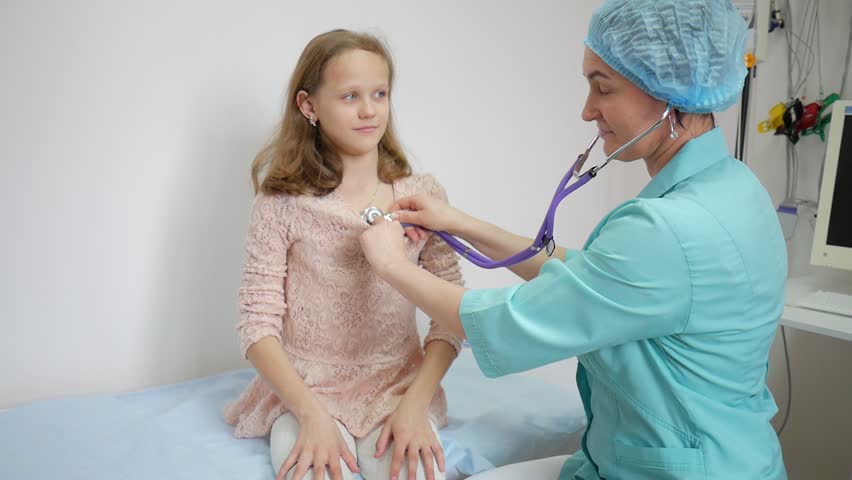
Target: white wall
817, 441
126, 134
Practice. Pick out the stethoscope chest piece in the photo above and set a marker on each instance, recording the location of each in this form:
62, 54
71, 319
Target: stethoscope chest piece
370, 214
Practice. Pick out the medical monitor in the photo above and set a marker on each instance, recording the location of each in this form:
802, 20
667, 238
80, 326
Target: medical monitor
832, 245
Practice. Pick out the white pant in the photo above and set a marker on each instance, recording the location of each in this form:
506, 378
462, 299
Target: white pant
544, 469
285, 431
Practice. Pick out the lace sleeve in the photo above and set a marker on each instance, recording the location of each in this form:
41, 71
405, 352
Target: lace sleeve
262, 292
438, 258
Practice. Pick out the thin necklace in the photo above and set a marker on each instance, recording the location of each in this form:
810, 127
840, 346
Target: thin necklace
378, 182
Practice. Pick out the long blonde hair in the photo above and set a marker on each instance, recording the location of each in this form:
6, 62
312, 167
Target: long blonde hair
297, 160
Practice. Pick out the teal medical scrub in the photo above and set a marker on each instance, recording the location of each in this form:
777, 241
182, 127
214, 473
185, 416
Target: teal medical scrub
671, 308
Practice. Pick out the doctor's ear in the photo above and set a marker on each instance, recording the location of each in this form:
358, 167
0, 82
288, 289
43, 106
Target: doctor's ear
307, 107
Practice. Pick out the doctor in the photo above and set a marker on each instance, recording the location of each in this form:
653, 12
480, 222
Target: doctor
672, 304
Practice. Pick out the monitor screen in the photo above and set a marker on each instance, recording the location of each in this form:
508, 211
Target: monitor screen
840, 219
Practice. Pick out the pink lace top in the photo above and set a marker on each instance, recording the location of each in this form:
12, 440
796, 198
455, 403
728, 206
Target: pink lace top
351, 336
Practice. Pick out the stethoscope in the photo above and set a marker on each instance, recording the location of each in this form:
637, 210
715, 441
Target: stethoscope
544, 238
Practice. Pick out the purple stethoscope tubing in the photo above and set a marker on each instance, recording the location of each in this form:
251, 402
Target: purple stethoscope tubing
544, 238
545, 232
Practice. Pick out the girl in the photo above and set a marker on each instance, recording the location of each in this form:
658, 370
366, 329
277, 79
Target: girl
343, 383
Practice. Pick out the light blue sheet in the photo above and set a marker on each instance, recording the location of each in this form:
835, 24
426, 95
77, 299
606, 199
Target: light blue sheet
177, 431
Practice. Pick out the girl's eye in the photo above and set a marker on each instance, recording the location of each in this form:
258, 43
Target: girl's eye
381, 94
350, 96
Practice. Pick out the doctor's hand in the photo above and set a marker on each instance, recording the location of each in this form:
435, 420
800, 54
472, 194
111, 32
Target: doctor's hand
428, 212
384, 244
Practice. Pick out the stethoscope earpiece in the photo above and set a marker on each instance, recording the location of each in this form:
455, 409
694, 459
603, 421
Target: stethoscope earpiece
672, 132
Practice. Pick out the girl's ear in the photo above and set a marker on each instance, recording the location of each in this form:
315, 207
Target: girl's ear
306, 106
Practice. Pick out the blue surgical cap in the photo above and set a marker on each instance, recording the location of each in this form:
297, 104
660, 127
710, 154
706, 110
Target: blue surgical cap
688, 53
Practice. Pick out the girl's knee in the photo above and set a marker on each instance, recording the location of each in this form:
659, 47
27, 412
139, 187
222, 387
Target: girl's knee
282, 439
373, 468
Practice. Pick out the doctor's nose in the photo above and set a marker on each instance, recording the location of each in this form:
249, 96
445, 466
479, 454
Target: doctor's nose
590, 112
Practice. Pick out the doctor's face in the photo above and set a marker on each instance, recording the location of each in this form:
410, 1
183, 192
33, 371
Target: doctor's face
621, 110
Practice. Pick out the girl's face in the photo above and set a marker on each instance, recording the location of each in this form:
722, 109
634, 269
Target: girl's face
621, 110
352, 104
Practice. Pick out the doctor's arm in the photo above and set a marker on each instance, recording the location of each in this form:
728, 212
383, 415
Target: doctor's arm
489, 239
439, 299
631, 283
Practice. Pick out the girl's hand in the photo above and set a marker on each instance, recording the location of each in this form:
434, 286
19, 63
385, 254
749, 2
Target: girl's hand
428, 212
383, 244
319, 446
412, 435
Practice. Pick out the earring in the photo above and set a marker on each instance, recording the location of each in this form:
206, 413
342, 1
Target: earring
313, 122
672, 133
